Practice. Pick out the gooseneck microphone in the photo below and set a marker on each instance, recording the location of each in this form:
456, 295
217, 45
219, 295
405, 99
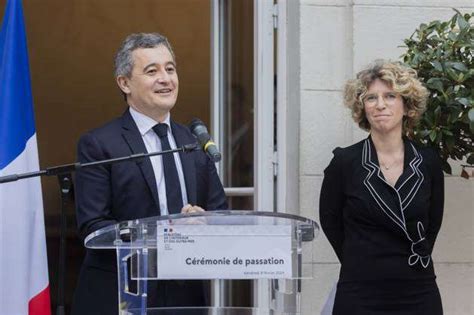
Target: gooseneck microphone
199, 130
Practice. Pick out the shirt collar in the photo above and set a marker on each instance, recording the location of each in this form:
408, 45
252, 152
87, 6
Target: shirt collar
146, 123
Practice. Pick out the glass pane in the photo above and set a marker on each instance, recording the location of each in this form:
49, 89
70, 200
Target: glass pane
240, 202
238, 98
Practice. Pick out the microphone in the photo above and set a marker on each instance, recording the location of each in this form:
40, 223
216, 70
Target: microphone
199, 130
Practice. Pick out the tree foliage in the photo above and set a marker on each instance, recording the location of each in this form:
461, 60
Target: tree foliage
442, 54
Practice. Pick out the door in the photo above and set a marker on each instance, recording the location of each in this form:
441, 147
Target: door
243, 88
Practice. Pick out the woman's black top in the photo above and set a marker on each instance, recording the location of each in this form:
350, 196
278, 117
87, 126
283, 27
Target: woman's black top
383, 235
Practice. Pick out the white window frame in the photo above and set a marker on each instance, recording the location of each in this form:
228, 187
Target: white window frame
264, 156
264, 99
288, 106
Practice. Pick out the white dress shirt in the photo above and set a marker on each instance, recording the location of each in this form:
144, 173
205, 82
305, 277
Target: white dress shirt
153, 144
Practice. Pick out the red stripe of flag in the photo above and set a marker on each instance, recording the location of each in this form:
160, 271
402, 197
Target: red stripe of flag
39, 304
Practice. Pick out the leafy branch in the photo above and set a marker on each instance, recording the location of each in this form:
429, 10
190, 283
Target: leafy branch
442, 53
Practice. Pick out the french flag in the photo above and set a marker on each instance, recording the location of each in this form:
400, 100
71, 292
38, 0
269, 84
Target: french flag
24, 284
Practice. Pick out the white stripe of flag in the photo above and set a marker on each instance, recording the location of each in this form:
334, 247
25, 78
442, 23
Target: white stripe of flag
23, 262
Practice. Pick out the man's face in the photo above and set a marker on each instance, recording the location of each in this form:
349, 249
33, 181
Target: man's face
152, 88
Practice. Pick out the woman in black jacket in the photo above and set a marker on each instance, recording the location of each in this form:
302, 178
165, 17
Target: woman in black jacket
381, 202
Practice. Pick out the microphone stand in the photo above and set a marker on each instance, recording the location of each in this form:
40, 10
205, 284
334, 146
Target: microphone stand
64, 175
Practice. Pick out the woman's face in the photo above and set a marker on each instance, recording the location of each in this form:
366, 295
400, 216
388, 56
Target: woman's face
384, 108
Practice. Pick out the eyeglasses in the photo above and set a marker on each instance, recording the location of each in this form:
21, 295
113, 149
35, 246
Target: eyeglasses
388, 98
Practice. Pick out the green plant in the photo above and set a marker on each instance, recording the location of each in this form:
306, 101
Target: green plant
443, 55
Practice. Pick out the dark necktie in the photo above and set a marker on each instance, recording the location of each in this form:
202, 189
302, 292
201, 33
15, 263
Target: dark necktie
173, 187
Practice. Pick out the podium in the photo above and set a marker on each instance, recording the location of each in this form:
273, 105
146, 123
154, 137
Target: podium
275, 249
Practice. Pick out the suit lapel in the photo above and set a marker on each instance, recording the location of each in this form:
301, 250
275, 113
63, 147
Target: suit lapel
134, 139
412, 177
384, 195
187, 162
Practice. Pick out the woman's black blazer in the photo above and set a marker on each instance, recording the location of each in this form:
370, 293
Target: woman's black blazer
379, 231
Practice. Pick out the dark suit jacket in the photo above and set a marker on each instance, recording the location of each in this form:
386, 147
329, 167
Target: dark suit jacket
109, 194
380, 232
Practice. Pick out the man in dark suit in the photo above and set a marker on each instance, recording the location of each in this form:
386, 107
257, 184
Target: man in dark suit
145, 71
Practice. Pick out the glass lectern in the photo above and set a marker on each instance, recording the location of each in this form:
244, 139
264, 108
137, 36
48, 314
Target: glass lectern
274, 248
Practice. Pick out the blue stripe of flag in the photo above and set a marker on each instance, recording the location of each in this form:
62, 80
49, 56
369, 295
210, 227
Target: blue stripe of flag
16, 102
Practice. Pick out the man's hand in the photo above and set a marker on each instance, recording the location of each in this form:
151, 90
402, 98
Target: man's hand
191, 209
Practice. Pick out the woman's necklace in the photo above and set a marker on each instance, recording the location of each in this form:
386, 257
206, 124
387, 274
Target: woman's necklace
395, 154
389, 166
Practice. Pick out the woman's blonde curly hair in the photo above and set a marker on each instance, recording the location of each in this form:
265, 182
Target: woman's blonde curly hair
400, 78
